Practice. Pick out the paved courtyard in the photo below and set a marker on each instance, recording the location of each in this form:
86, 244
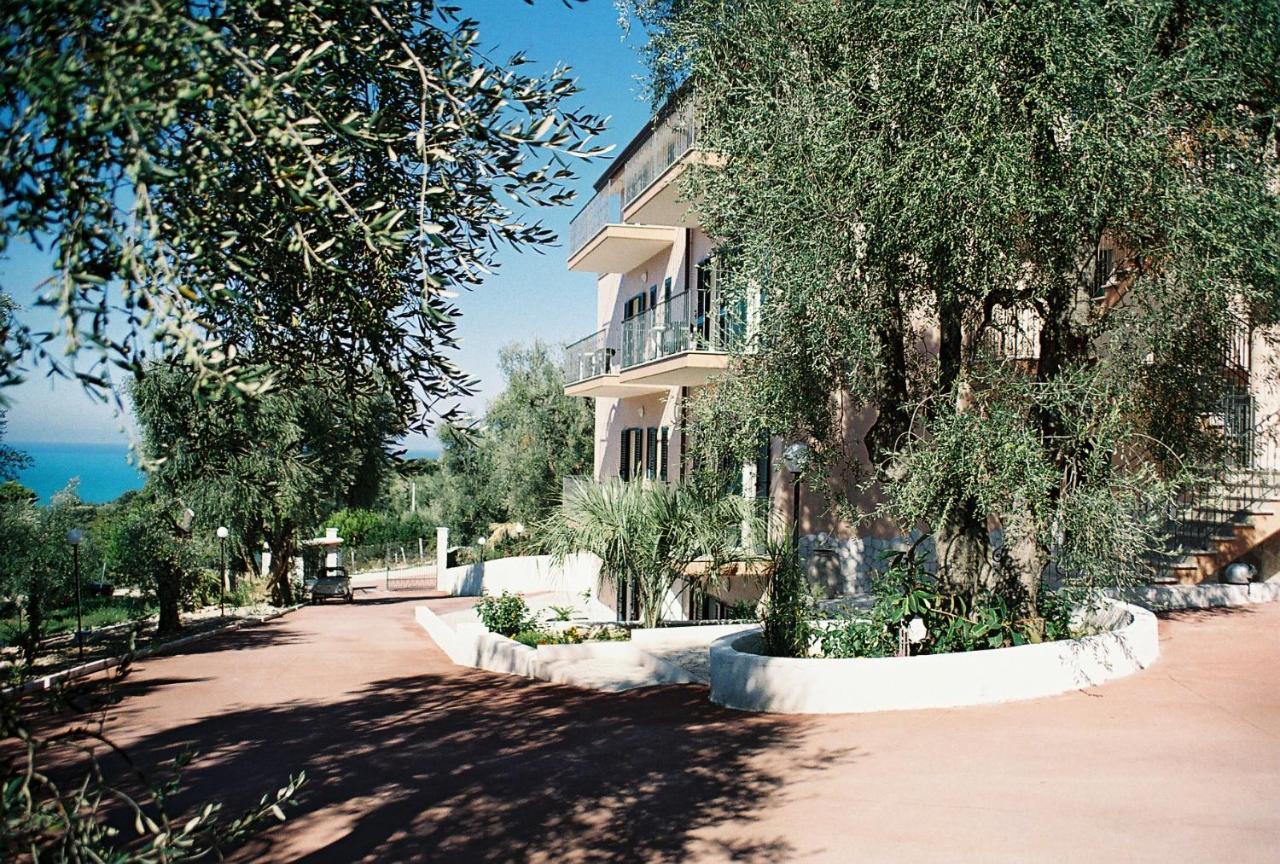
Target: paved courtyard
413, 759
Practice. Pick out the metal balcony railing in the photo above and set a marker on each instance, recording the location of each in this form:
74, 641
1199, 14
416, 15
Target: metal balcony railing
588, 358
1235, 343
674, 136
1014, 333
684, 323
604, 208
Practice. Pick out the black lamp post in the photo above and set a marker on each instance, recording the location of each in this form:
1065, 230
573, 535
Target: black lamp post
795, 456
75, 537
222, 583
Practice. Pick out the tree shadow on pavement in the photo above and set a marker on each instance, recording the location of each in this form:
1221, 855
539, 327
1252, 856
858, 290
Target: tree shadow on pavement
480, 767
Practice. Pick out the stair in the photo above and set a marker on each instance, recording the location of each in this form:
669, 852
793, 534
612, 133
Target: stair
1226, 521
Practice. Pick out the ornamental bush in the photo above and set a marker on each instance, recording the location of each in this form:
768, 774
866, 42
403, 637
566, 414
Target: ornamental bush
507, 614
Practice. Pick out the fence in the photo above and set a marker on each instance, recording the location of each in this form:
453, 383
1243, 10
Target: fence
389, 556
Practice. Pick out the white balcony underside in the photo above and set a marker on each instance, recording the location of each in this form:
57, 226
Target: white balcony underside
609, 387
622, 248
691, 369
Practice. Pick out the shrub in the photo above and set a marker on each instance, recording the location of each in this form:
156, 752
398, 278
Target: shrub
787, 631
506, 614
948, 621
571, 636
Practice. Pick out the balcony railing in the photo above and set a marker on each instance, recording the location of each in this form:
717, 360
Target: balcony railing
674, 136
588, 358
604, 208
1014, 333
686, 322
1235, 343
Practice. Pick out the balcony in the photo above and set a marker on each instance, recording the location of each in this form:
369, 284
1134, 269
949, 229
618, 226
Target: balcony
591, 370
600, 242
681, 342
649, 193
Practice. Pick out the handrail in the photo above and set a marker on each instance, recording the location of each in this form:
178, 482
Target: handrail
589, 357
674, 136
604, 208
684, 323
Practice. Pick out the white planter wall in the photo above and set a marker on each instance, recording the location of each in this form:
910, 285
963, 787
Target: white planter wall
745, 679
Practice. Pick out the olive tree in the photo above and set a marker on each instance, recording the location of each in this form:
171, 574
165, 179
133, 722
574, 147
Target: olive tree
260, 187
949, 163
268, 469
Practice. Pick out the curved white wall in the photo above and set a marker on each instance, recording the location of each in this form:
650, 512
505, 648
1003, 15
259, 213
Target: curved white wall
752, 682
526, 574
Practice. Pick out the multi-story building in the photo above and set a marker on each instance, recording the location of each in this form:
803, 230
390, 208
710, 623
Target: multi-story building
662, 330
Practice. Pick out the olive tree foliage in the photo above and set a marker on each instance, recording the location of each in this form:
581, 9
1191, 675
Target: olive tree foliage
944, 161
11, 461
268, 469
538, 436
259, 187
511, 466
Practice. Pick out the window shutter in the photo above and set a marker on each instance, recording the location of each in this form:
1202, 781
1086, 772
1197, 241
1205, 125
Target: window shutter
651, 453
764, 467
663, 448
624, 463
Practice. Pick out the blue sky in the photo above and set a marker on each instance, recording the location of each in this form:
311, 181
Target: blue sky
530, 296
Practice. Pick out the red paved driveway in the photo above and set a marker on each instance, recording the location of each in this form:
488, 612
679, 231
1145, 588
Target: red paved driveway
412, 758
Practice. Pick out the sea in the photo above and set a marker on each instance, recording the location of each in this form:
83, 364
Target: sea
104, 470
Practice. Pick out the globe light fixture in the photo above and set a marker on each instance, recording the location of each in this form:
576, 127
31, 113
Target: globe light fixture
796, 456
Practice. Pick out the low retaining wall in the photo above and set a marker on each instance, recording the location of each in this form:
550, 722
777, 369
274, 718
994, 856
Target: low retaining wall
1168, 598
472, 645
46, 682
745, 679
526, 574
661, 671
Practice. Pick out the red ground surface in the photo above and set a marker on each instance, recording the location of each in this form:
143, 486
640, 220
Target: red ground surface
413, 759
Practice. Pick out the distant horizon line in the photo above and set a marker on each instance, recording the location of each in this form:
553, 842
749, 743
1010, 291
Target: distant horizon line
432, 449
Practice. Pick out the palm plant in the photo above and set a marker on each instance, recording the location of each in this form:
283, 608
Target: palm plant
650, 535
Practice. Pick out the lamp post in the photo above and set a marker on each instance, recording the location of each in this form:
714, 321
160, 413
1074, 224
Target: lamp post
222, 584
75, 537
795, 456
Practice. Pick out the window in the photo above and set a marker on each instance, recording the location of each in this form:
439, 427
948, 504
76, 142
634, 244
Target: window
634, 307
631, 460
764, 467
1102, 268
651, 453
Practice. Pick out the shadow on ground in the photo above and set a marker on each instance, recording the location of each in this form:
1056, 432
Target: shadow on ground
1210, 614
478, 767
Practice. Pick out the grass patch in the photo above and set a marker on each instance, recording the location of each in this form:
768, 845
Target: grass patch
97, 612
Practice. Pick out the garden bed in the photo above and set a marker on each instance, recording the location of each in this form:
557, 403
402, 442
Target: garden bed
743, 677
59, 652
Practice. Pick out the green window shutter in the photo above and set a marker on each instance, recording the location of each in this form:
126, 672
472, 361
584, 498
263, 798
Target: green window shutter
651, 453
764, 467
624, 463
663, 449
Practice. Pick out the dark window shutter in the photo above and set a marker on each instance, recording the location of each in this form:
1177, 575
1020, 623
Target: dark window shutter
764, 467
663, 448
651, 453
624, 463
